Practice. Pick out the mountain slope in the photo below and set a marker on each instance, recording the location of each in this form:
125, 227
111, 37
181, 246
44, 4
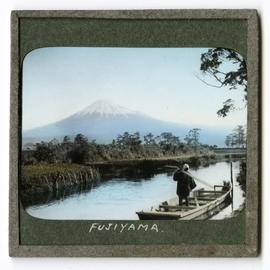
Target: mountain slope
103, 121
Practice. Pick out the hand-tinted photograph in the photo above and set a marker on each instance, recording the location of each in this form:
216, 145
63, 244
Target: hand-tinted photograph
133, 133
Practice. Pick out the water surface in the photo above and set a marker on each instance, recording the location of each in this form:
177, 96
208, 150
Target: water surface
120, 198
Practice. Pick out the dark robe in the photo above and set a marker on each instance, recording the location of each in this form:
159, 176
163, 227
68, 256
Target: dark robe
185, 183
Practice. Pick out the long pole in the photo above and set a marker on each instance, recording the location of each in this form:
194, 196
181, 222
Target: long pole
199, 180
196, 178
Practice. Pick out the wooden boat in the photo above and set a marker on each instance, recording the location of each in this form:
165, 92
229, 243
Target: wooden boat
202, 205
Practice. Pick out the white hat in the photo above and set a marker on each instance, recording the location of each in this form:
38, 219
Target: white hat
185, 167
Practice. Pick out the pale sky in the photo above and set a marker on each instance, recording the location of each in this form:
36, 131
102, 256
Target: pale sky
160, 82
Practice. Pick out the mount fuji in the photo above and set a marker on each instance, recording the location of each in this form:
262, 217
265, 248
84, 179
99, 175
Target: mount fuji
104, 121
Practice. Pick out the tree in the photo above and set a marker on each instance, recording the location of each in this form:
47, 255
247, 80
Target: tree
213, 64
54, 142
80, 150
134, 139
240, 136
237, 138
129, 140
123, 140
168, 141
228, 140
80, 139
44, 153
149, 139
79, 154
193, 136
66, 144
66, 139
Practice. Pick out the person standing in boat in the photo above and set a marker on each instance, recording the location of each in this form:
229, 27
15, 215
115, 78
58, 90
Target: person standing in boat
185, 184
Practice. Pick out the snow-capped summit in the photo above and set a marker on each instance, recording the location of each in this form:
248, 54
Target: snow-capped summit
104, 107
103, 121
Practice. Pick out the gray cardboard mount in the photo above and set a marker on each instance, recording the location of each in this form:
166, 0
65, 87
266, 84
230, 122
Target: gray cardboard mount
252, 214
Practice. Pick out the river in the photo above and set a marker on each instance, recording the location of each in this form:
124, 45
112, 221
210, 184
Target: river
120, 198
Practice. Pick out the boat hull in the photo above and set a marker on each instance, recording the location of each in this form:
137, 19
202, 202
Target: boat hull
146, 216
206, 208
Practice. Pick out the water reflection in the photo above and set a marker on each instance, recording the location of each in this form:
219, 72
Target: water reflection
133, 190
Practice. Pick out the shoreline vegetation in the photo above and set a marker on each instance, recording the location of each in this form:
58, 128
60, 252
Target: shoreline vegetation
54, 170
48, 182
44, 182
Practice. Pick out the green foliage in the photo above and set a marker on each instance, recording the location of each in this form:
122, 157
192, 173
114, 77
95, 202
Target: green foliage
192, 138
47, 169
42, 183
80, 140
242, 176
169, 142
66, 140
129, 140
149, 139
44, 152
126, 146
237, 138
213, 64
79, 154
80, 150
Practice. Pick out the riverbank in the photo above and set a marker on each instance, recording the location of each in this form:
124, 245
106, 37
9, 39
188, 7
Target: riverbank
146, 168
46, 182
193, 160
52, 181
